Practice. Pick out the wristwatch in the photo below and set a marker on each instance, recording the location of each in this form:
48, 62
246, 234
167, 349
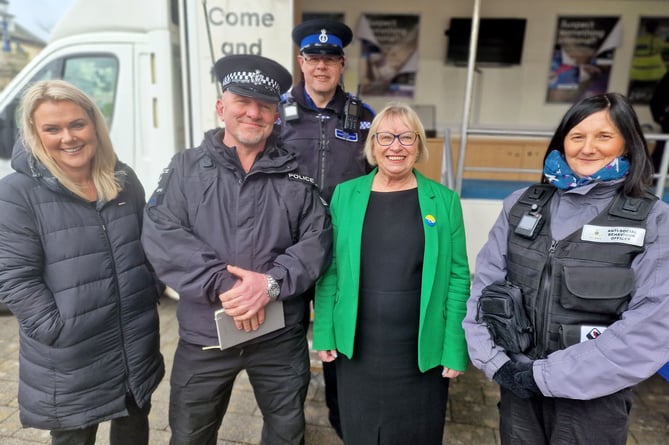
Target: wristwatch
273, 288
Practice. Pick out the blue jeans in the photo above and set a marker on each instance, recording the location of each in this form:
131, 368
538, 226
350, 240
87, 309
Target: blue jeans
130, 430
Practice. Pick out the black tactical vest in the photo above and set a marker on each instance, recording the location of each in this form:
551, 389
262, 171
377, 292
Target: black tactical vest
574, 287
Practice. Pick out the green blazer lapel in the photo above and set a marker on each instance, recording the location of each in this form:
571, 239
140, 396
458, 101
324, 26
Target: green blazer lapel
358, 208
427, 200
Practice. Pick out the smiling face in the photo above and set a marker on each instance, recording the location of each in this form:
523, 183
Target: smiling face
248, 122
321, 73
395, 161
592, 144
68, 136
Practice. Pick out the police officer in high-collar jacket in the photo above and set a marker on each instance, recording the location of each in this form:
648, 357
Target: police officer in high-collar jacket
325, 126
233, 225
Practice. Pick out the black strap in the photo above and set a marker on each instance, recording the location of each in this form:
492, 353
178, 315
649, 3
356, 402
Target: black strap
636, 209
537, 194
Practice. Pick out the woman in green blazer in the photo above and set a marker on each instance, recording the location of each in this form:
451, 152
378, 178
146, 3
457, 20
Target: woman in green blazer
392, 302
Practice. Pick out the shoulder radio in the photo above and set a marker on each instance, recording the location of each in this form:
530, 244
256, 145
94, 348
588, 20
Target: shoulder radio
352, 110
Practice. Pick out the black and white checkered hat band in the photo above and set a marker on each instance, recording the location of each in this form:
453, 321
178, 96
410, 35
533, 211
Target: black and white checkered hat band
255, 78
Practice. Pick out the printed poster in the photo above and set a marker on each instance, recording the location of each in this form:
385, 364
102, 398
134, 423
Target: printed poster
650, 61
582, 57
389, 54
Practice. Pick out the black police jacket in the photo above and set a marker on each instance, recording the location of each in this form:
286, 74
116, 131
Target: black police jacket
325, 151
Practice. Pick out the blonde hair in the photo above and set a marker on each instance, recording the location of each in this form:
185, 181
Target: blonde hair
405, 114
106, 181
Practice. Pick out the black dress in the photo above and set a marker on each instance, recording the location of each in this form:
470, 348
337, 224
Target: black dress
383, 396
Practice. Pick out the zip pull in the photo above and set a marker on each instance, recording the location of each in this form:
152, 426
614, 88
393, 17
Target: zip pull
553, 246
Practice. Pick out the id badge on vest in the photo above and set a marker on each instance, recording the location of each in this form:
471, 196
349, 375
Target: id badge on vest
633, 236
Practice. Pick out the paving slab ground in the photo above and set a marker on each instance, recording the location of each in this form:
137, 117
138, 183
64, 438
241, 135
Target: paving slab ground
471, 418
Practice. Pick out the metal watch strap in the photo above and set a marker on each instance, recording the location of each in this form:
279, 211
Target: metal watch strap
273, 288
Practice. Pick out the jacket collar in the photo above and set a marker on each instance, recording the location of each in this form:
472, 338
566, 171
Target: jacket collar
300, 95
274, 158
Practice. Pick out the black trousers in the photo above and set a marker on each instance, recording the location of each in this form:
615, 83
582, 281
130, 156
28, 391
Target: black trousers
331, 399
130, 430
201, 385
329, 373
555, 421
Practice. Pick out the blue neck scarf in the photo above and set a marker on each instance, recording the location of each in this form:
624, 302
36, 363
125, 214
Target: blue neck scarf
558, 172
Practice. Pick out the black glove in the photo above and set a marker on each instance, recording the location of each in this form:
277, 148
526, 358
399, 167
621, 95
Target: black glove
517, 378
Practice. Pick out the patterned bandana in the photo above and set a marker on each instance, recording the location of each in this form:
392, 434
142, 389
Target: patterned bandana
558, 173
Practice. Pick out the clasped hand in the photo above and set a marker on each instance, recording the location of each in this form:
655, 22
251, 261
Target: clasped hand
245, 302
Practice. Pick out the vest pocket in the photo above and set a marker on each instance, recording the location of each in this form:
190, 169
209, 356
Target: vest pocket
501, 309
600, 290
572, 334
569, 335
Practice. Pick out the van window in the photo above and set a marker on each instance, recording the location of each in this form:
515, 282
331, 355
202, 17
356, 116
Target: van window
95, 74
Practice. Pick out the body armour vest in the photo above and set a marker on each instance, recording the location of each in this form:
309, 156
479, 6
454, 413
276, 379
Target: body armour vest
576, 287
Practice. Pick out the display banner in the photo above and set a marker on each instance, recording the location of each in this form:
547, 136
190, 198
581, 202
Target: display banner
389, 54
582, 57
650, 60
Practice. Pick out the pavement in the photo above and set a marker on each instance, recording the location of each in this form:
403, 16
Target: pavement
471, 418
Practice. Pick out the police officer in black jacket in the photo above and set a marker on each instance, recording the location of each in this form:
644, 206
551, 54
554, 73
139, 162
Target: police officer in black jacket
325, 127
234, 225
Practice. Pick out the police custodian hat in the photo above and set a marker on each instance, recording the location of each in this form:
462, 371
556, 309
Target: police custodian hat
322, 36
253, 76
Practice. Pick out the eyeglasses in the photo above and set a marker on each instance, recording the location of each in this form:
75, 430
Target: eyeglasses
385, 138
327, 60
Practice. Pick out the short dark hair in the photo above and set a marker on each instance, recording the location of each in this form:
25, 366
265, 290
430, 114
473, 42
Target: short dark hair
640, 176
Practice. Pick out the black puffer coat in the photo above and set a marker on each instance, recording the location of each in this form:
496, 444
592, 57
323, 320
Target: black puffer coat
75, 276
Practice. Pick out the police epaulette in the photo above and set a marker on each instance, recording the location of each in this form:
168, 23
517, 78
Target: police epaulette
369, 108
159, 193
206, 162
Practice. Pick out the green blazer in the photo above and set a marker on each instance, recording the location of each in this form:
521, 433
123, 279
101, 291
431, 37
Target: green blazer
445, 279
